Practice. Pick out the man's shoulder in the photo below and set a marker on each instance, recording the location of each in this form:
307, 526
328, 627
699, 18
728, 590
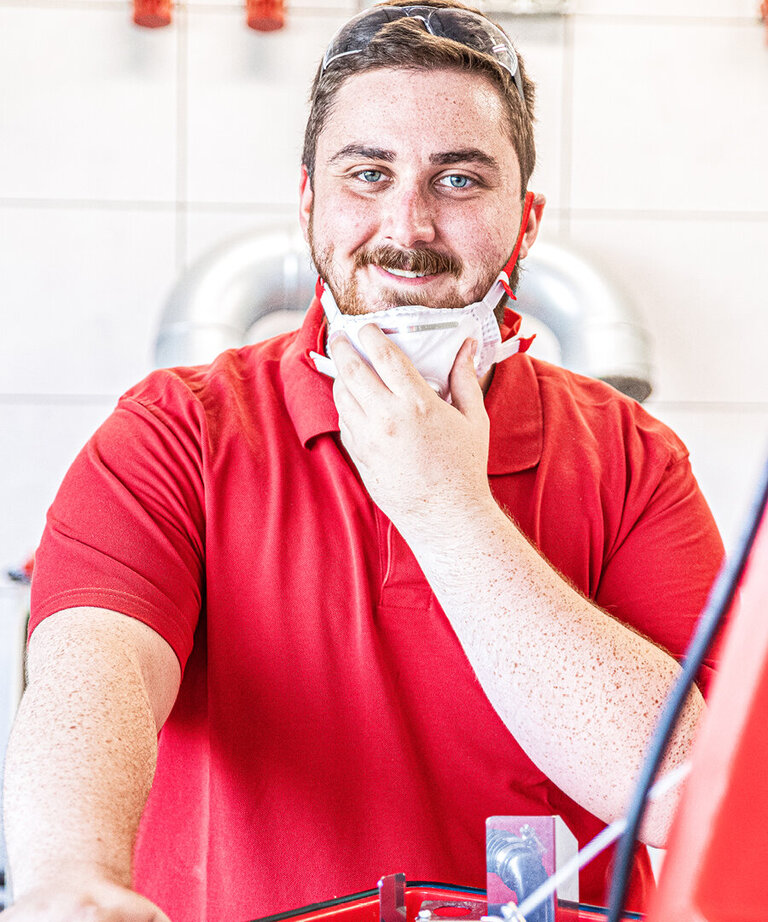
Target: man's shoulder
575, 403
239, 396
228, 377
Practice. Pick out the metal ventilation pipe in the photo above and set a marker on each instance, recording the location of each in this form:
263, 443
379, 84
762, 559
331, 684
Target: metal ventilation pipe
215, 304
595, 323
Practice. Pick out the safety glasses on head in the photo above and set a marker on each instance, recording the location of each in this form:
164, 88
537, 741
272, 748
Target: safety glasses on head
463, 26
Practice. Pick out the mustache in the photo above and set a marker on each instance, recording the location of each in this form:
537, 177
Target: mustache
425, 262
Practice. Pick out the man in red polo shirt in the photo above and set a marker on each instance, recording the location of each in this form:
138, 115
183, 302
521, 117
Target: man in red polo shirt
366, 613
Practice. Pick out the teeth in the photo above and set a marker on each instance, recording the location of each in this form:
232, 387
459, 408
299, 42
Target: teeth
407, 275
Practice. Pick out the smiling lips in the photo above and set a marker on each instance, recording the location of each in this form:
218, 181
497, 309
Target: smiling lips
404, 273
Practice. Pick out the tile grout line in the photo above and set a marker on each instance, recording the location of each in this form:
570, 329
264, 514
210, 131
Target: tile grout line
566, 126
648, 214
256, 208
139, 205
182, 160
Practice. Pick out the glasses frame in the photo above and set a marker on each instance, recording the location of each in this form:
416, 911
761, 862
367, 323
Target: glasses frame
501, 47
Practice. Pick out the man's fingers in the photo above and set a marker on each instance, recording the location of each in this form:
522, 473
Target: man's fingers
466, 393
345, 401
354, 372
351, 414
393, 366
352, 417
348, 442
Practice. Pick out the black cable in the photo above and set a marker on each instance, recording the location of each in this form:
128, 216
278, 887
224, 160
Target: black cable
718, 603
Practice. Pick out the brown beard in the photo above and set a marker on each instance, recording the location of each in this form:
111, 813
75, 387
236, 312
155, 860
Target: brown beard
426, 261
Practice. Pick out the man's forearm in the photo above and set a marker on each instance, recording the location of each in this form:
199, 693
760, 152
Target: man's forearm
80, 762
580, 691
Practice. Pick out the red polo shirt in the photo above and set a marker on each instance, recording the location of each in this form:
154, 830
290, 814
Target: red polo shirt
329, 728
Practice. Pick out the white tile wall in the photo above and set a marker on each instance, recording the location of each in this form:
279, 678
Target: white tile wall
669, 116
89, 101
652, 140
207, 229
699, 284
724, 9
127, 153
82, 289
541, 42
729, 449
247, 107
40, 439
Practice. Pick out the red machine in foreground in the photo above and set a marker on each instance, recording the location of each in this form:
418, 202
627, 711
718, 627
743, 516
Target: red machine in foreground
717, 861
396, 901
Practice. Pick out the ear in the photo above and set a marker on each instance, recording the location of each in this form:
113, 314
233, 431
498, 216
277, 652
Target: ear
305, 201
534, 222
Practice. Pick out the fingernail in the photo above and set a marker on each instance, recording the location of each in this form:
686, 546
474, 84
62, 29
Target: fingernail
473, 348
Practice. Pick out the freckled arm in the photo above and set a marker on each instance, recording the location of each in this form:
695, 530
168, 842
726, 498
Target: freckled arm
580, 691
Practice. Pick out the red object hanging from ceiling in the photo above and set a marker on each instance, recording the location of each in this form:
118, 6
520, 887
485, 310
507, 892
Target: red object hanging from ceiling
152, 13
265, 15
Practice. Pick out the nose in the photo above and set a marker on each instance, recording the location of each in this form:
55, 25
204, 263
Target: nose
408, 217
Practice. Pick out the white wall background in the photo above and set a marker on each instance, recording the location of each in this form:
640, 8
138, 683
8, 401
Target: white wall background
126, 153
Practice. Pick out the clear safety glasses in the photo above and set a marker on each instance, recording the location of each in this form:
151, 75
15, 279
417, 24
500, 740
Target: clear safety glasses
462, 26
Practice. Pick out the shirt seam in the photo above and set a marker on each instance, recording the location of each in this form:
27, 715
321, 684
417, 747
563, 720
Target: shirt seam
95, 597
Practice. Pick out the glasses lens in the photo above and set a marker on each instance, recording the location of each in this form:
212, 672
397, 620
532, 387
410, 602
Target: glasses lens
359, 31
463, 26
478, 33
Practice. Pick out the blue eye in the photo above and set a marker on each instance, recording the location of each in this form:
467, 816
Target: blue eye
456, 181
370, 175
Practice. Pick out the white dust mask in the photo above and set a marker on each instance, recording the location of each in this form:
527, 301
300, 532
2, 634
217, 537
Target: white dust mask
431, 337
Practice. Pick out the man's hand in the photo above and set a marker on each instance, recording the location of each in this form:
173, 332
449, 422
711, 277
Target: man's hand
570, 682
97, 900
423, 461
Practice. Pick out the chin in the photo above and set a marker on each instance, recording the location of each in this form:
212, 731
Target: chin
395, 297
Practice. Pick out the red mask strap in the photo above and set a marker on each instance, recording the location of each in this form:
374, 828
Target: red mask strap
510, 264
319, 287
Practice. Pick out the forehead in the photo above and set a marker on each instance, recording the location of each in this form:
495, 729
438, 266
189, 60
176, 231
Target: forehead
416, 113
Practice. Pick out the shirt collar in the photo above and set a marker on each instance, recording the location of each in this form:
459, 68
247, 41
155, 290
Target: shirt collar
308, 393
513, 400
513, 403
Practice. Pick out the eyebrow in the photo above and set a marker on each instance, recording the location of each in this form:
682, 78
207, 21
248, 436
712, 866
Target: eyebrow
364, 152
464, 155
443, 158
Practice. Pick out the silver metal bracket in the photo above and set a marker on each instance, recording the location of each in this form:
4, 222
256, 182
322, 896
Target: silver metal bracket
392, 898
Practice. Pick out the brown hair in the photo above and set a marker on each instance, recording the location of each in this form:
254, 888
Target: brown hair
405, 44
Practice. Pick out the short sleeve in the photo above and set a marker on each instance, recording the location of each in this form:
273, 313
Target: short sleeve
659, 577
126, 530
